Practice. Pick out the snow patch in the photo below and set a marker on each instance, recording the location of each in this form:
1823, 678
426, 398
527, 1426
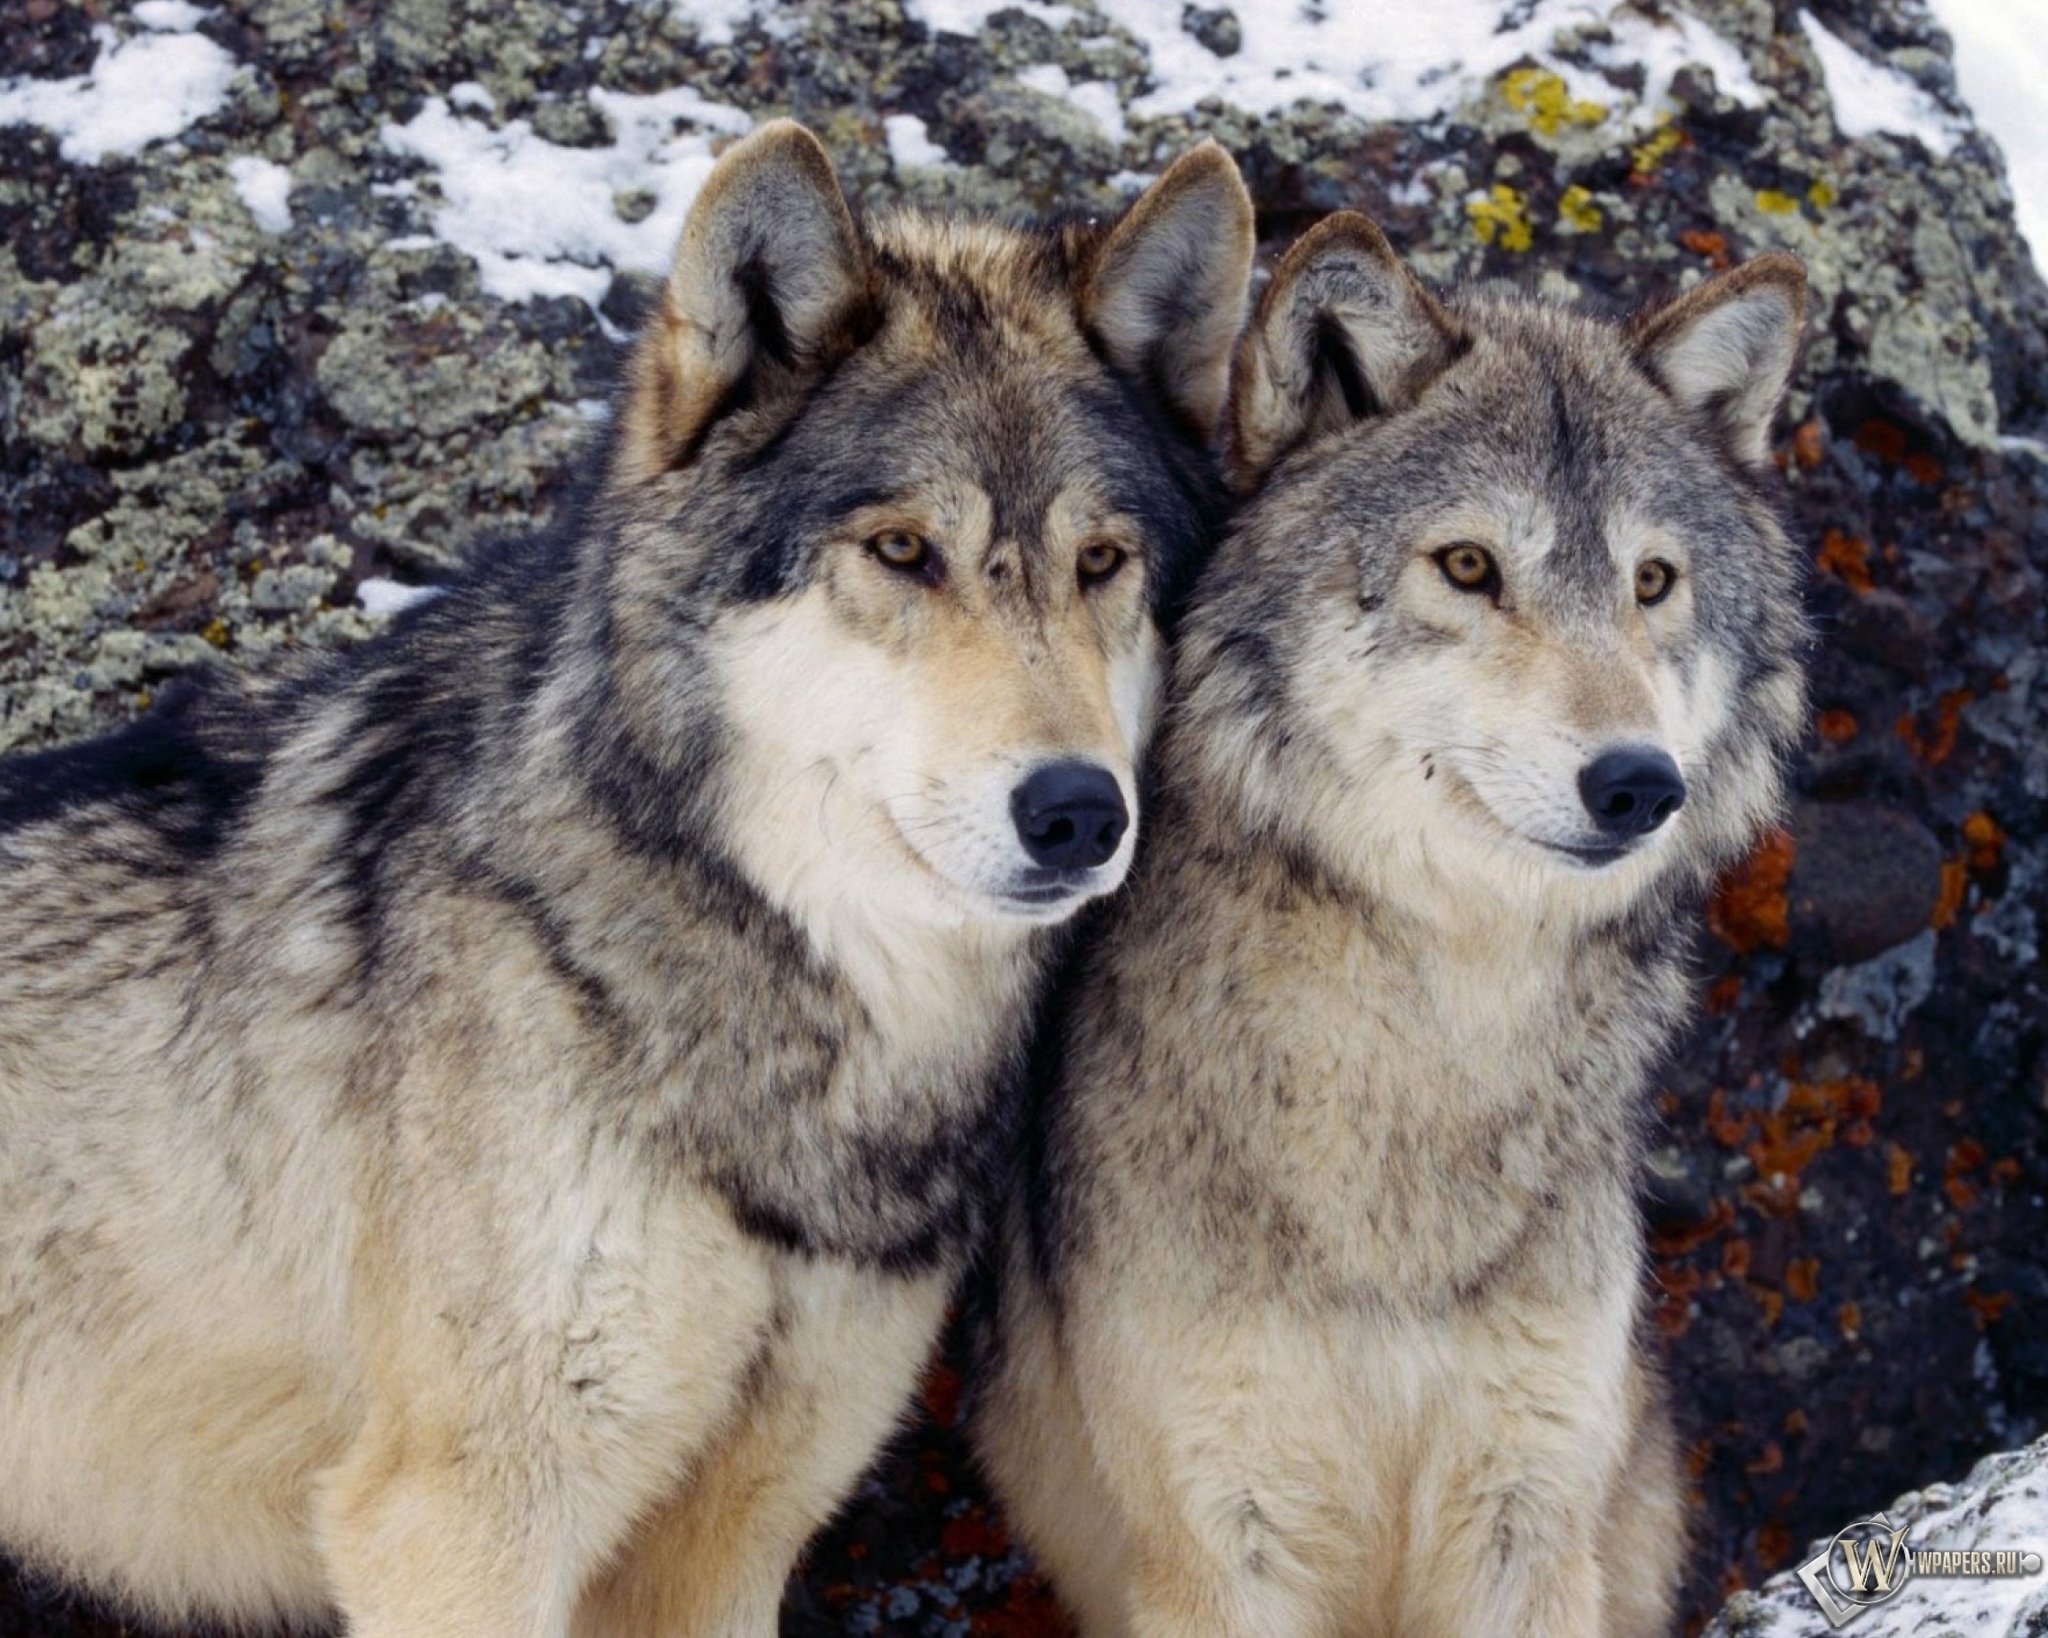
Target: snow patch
1095, 98
540, 219
265, 189
717, 19
971, 16
383, 597
170, 16
138, 91
910, 144
1399, 64
1870, 97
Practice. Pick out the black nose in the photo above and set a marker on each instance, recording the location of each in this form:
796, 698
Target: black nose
1070, 815
1631, 792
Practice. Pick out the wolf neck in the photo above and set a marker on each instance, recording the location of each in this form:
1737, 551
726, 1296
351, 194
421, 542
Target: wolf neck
1495, 1007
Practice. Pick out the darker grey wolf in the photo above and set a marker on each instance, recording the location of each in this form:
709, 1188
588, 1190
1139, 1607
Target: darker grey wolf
489, 1122
1318, 1308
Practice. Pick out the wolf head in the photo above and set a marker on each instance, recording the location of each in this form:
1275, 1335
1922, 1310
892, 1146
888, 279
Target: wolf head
1507, 610
895, 511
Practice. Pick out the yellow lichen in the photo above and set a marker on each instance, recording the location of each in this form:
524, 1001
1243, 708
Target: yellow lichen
1822, 194
1647, 155
1546, 101
1773, 203
1576, 211
1501, 216
216, 633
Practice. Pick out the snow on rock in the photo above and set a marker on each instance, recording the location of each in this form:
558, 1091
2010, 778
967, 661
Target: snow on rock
265, 188
540, 219
1095, 98
138, 91
378, 596
1395, 64
1869, 97
2003, 1504
910, 144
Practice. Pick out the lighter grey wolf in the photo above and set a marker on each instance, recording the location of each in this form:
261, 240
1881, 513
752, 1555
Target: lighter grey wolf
1318, 1310
489, 1123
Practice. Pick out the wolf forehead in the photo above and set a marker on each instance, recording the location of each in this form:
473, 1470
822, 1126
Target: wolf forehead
1548, 419
968, 370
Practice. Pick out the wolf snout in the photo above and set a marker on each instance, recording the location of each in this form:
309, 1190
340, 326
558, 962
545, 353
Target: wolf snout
1070, 815
1630, 792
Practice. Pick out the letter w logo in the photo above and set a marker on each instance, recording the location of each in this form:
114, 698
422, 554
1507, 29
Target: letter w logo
1876, 1563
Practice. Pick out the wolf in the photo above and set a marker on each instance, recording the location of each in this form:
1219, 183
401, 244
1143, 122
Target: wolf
1318, 1297
489, 1122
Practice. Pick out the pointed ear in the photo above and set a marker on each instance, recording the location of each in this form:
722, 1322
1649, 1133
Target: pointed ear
1343, 332
1726, 349
1166, 293
770, 273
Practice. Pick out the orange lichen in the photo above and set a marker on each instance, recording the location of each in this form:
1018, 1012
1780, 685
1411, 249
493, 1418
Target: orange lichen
1955, 887
1678, 1242
1850, 1317
1987, 1308
1775, 1197
1985, 838
1727, 1127
1810, 443
1735, 1259
1837, 727
1846, 557
1938, 746
1802, 1279
1771, 1302
1749, 910
1898, 1169
1713, 246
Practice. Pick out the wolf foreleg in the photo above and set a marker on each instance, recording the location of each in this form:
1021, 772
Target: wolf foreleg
711, 1562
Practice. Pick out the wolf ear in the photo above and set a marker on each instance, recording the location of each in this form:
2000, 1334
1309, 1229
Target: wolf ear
1344, 331
770, 271
1166, 293
1726, 349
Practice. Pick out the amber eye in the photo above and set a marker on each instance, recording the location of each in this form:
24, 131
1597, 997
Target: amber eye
1654, 580
1099, 561
900, 549
1470, 568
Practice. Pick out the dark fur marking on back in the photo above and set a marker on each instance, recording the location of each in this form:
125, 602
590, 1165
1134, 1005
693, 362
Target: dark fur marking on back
184, 771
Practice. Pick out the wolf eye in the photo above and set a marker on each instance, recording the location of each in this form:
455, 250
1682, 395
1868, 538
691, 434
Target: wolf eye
1654, 580
900, 549
1099, 561
1470, 568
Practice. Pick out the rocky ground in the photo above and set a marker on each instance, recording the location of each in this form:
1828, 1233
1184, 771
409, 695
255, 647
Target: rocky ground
240, 376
